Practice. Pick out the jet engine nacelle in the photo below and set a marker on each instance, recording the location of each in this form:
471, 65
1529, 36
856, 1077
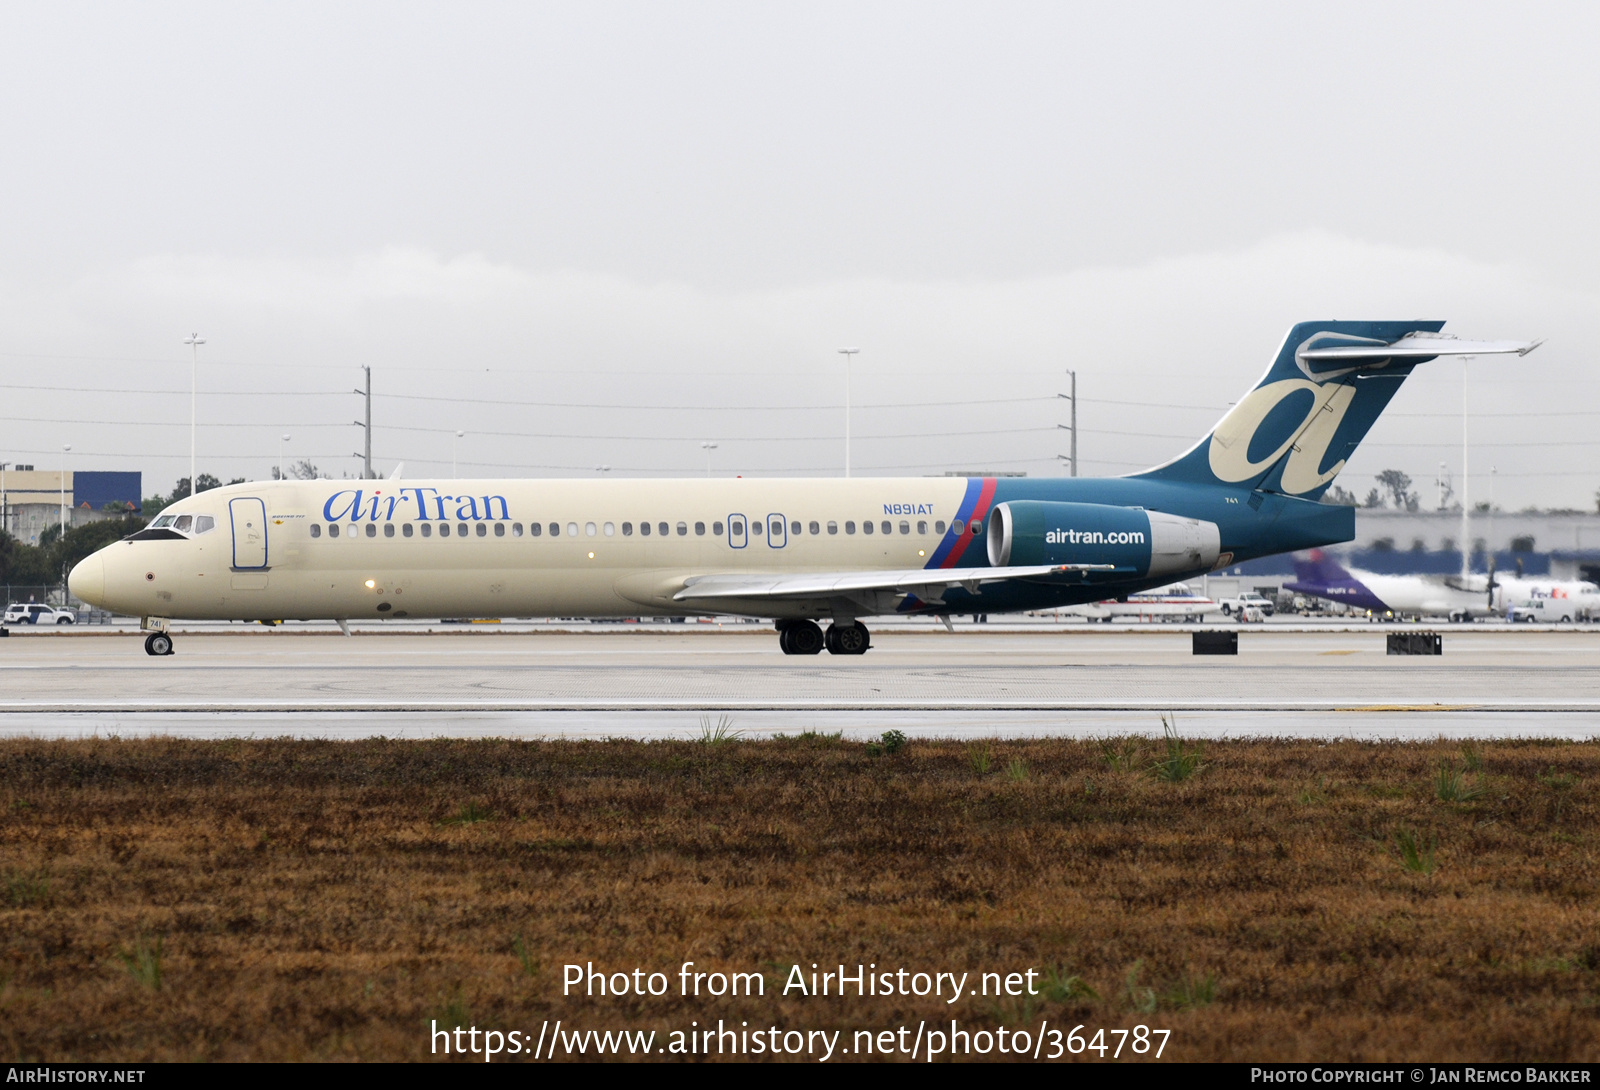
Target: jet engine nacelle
1149, 543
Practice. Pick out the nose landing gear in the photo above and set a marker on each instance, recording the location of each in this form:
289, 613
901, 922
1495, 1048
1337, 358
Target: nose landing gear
158, 644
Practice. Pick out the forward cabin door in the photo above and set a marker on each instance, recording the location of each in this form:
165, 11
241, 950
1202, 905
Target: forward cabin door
249, 518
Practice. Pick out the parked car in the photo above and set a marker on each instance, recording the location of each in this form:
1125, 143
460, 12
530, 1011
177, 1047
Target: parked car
37, 613
1250, 600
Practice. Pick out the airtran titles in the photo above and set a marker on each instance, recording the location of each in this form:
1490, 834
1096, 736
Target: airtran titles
427, 504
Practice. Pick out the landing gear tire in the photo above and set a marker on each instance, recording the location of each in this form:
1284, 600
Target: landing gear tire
800, 638
158, 644
848, 639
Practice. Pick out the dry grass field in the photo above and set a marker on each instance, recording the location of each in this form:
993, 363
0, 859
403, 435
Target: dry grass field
179, 900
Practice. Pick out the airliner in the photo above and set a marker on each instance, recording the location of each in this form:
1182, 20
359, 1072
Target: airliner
804, 553
1173, 603
1461, 598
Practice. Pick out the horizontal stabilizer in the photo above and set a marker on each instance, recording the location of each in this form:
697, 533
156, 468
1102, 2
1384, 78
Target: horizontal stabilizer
827, 584
1330, 355
1421, 346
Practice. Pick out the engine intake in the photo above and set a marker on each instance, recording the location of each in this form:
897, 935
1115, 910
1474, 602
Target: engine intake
1142, 543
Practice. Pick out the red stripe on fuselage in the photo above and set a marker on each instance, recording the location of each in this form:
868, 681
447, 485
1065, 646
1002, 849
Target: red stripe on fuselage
980, 511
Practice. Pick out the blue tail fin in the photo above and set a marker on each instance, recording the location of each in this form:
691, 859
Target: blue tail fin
1294, 432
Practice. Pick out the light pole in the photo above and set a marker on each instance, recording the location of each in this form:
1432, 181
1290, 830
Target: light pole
194, 342
1466, 509
1073, 426
5, 511
283, 441
848, 354
65, 450
454, 444
708, 447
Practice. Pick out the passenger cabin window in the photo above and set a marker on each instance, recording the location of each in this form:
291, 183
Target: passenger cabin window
516, 529
814, 528
662, 529
499, 529
700, 529
794, 527
407, 530
736, 528
316, 530
333, 530
866, 527
905, 527
683, 529
483, 531
610, 529
536, 528
958, 526
757, 527
461, 529
644, 528
716, 528
444, 529
589, 529
388, 529
922, 527
833, 527
572, 529
888, 529
627, 529
938, 527
976, 528
427, 529
849, 527
372, 531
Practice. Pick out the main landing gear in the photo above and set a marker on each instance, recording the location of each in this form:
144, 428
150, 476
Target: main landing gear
158, 643
806, 638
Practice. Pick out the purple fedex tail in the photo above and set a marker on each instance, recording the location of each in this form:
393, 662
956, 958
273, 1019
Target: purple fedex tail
1321, 576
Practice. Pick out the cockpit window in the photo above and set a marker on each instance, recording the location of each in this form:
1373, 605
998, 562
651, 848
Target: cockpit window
203, 523
164, 520
182, 525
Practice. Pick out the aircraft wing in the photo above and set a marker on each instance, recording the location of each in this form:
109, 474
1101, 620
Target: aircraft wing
831, 584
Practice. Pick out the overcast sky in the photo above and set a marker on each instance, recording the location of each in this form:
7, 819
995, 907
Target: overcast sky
603, 234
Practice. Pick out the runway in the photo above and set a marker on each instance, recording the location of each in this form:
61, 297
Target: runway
657, 682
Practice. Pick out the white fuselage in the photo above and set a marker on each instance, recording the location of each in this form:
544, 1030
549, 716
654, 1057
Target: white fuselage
470, 548
1427, 596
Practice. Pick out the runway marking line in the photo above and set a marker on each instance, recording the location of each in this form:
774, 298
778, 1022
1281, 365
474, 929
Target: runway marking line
1411, 708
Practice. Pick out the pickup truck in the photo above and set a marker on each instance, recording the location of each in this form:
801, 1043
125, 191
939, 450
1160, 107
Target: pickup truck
1242, 602
37, 613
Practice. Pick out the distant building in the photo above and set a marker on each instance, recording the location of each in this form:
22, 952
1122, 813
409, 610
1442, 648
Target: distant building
31, 501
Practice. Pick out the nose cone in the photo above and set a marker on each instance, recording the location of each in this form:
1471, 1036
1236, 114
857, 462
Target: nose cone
88, 580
